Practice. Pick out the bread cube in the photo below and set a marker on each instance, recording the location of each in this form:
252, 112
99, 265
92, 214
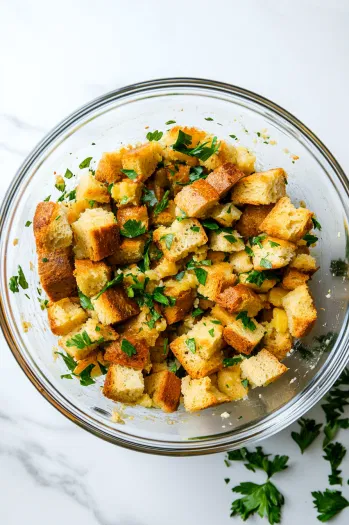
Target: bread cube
143, 159
226, 214
159, 352
170, 138
123, 384
197, 199
184, 293
115, 354
145, 327
251, 219
240, 298
278, 343
166, 217
136, 213
113, 306
260, 188
181, 238
129, 251
276, 295
178, 176
287, 222
194, 364
241, 338
229, 382
304, 263
245, 160
109, 167
126, 193
264, 287
55, 270
300, 310
91, 276
75, 208
293, 278
91, 189
274, 253
226, 153
208, 337
164, 388
262, 369
241, 262
96, 359
201, 393
226, 242
217, 257
219, 276
166, 268
51, 227
223, 178
83, 340
65, 315
222, 315
96, 235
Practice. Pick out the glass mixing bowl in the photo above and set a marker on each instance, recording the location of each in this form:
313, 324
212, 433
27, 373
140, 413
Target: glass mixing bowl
278, 139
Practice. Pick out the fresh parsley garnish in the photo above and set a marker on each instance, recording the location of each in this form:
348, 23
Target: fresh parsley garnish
196, 173
16, 280
168, 238
334, 453
197, 312
265, 263
128, 348
335, 402
85, 163
85, 376
257, 240
60, 186
155, 135
47, 198
104, 369
257, 278
85, 301
316, 223
310, 239
211, 332
209, 119
195, 228
258, 460
27, 224
133, 228
201, 275
191, 345
170, 122
162, 205
249, 251
264, 499
246, 320
68, 174
117, 280
131, 174
230, 238
81, 341
201, 151
274, 244
308, 433
43, 303
179, 276
68, 360
210, 224
161, 298
233, 137
329, 503
231, 361
148, 197
245, 383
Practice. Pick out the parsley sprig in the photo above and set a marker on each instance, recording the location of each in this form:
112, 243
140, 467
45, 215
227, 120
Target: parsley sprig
308, 433
329, 503
246, 320
132, 228
334, 453
201, 151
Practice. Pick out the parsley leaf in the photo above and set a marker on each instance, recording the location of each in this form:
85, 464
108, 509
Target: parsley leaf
230, 238
209, 119
334, 453
249, 251
196, 173
128, 348
13, 284
85, 163
264, 499
201, 151
210, 224
310, 239
131, 174
148, 197
155, 135
104, 369
183, 140
329, 503
179, 276
259, 460
316, 223
168, 238
60, 186
162, 205
246, 320
258, 278
27, 224
265, 263
85, 376
159, 297
245, 383
201, 275
274, 244
257, 240
117, 280
211, 332
231, 361
132, 228
191, 345
170, 122
308, 433
69, 361
68, 174
47, 198
85, 301
233, 137
81, 341
18, 280
197, 312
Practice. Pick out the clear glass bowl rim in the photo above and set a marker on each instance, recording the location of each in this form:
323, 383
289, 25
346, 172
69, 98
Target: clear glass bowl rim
270, 424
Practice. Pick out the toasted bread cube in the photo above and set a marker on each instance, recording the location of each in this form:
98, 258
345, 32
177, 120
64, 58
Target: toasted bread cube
127, 193
226, 154
241, 262
274, 253
145, 327
96, 235
205, 304
276, 295
222, 315
55, 270
223, 178
182, 237
226, 214
166, 217
304, 263
195, 365
132, 274
293, 278
229, 382
159, 352
251, 219
241, 338
300, 310
245, 160
166, 268
260, 188
110, 166
199, 394
95, 358
91, 189
136, 213
130, 251
83, 340
65, 315
114, 352
217, 257
143, 159
277, 339
51, 227
184, 293
266, 285
170, 138
262, 369
91, 276
240, 298
178, 176
279, 320
113, 306
123, 384
76, 208
226, 242
164, 388
287, 222
197, 199
208, 337
219, 276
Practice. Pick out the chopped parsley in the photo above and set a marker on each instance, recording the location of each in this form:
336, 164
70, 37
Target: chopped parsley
161, 298
209, 119
201, 275
43, 303
197, 312
211, 332
249, 251
85, 163
81, 341
60, 186
133, 228
316, 224
201, 151
18, 280
245, 384
128, 348
339, 268
85, 301
131, 174
191, 345
68, 174
210, 224
44, 260
117, 280
329, 503
310, 239
162, 205
179, 276
148, 197
85, 375
168, 238
69, 361
155, 135
334, 453
47, 198
257, 240
231, 361
246, 320
265, 263
274, 244
230, 238
27, 224
310, 430
195, 228
233, 137
196, 173
170, 122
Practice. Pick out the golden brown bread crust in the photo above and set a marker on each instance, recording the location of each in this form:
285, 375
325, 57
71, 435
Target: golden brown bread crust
105, 241
159, 352
238, 341
223, 178
251, 219
194, 365
136, 213
240, 297
44, 213
184, 302
115, 354
108, 169
293, 278
129, 251
196, 199
115, 306
56, 274
165, 389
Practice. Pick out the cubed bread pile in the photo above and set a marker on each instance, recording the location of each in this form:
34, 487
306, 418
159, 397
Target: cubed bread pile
178, 272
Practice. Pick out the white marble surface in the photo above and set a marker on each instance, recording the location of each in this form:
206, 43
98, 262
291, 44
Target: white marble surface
54, 57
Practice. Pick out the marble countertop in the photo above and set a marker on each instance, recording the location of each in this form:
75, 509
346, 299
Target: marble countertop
57, 56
